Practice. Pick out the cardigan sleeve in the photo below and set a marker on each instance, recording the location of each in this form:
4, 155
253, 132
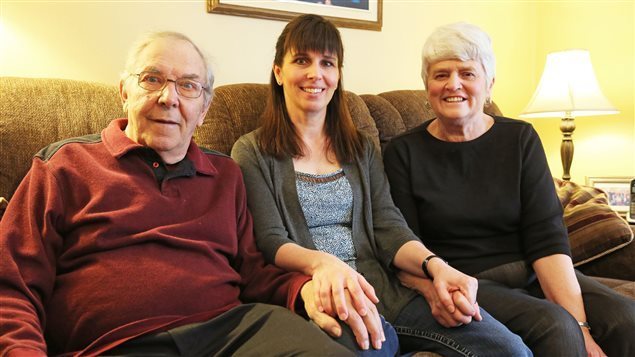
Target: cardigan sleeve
269, 226
390, 230
542, 227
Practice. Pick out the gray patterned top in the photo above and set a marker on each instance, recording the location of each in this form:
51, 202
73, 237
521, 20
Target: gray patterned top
327, 204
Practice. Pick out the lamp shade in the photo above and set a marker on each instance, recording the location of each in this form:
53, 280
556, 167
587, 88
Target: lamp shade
568, 88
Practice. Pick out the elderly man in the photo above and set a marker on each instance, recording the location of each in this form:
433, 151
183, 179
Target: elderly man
136, 241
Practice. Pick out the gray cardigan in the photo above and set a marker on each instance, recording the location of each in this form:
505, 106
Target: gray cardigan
379, 229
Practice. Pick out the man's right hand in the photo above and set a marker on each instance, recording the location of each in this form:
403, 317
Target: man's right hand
367, 329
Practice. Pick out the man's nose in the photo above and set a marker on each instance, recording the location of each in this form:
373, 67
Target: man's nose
168, 95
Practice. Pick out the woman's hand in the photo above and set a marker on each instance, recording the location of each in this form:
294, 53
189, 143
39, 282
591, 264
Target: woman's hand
334, 282
447, 280
560, 285
462, 311
367, 328
592, 348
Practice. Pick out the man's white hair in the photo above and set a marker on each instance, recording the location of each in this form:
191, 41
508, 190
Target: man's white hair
147, 39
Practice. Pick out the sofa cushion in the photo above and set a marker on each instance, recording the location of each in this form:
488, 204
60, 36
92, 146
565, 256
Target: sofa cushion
36, 112
399, 110
387, 118
594, 228
411, 105
236, 110
623, 287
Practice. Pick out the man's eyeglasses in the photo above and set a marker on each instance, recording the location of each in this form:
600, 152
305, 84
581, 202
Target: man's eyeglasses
153, 81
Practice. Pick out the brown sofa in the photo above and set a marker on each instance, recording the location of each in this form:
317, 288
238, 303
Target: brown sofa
36, 112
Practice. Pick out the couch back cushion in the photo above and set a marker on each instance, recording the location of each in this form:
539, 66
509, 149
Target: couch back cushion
400, 110
237, 109
35, 112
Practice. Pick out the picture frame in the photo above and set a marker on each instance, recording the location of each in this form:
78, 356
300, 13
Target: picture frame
357, 14
617, 190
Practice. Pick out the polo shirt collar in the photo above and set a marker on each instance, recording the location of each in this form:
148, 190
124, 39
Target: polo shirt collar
119, 145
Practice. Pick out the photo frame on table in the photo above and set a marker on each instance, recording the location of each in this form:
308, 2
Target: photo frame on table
358, 14
617, 190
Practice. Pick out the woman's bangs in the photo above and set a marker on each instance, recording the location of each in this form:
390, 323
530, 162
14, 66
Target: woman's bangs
315, 37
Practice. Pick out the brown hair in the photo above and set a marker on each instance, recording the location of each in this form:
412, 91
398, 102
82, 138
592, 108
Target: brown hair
278, 136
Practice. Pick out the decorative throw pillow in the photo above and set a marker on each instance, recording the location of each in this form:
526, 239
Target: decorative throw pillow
594, 228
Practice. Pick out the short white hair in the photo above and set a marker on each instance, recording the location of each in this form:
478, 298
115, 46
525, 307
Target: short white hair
148, 38
459, 41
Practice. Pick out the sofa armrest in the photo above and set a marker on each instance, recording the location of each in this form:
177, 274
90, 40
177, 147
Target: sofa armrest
616, 265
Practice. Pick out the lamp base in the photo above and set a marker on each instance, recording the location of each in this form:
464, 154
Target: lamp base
567, 126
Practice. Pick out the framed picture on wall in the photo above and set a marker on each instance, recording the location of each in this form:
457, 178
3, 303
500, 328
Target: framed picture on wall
617, 190
359, 14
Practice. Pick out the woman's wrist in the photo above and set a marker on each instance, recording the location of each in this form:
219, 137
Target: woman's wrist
427, 265
320, 259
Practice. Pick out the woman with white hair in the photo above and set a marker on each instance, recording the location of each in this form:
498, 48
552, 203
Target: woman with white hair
476, 189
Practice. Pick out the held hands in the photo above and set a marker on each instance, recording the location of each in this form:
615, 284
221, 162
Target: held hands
447, 280
367, 328
337, 285
452, 305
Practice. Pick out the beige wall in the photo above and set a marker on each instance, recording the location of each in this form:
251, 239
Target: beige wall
604, 145
88, 41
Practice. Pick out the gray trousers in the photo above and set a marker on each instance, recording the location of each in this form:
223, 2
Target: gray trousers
512, 295
247, 330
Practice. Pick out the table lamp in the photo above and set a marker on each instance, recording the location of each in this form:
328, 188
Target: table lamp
568, 89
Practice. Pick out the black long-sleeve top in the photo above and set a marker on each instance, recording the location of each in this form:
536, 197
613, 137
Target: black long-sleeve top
479, 203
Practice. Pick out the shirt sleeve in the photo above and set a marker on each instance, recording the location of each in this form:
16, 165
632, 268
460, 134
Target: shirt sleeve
261, 281
397, 162
542, 227
29, 242
390, 229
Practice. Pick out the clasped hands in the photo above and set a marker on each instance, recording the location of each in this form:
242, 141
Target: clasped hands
451, 296
338, 291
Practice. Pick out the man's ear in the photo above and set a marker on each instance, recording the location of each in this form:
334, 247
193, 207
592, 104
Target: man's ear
123, 93
204, 110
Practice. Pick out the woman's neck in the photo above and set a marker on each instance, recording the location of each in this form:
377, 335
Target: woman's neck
318, 158
459, 131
